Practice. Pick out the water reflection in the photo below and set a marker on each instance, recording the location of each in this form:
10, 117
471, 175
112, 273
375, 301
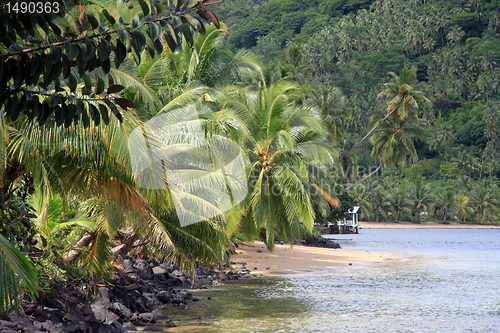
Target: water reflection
449, 283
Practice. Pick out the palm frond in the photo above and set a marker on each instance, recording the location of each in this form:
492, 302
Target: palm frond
12, 263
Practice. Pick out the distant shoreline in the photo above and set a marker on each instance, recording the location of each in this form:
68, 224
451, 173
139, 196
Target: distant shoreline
423, 225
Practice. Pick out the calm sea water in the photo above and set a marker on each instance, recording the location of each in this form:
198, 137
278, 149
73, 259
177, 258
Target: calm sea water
447, 281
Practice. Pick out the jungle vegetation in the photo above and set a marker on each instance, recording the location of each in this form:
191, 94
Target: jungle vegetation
390, 105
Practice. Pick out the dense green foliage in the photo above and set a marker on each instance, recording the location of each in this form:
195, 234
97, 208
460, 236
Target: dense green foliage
390, 105
352, 45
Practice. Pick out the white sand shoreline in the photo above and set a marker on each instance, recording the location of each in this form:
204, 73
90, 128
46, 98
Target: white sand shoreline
281, 259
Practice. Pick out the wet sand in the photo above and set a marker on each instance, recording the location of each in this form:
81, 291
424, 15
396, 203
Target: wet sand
301, 257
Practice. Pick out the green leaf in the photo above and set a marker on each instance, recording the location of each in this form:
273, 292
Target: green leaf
150, 46
66, 66
13, 263
192, 3
104, 113
93, 112
99, 89
85, 119
93, 21
55, 71
105, 49
121, 51
106, 66
170, 41
71, 50
189, 19
139, 41
108, 16
159, 7
187, 34
123, 34
145, 7
64, 112
114, 109
21, 74
87, 89
154, 30
176, 21
115, 88
159, 46
72, 83
79, 107
90, 53
124, 103
55, 52
36, 68
46, 111
201, 27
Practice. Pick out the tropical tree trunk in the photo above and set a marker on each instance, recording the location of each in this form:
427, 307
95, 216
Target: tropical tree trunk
365, 137
442, 159
396, 219
376, 219
127, 243
481, 172
445, 215
362, 180
84, 241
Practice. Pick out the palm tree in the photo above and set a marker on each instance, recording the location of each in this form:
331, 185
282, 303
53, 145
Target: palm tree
404, 98
380, 203
394, 140
455, 35
421, 198
446, 135
294, 66
434, 141
399, 202
463, 207
447, 201
284, 141
482, 200
362, 199
472, 163
331, 104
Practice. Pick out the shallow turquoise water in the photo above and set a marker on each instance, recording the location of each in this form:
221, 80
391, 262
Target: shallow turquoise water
449, 281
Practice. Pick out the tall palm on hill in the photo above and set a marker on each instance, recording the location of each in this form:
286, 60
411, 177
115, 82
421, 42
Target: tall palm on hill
286, 148
394, 139
404, 94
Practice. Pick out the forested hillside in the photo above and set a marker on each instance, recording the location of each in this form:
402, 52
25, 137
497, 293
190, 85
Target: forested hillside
350, 46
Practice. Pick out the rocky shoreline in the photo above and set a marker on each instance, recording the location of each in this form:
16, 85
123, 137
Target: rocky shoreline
131, 299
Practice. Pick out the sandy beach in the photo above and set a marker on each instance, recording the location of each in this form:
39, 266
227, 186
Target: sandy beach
301, 257
422, 225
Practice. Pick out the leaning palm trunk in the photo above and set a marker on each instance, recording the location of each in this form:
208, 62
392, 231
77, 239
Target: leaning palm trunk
366, 136
84, 241
362, 180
